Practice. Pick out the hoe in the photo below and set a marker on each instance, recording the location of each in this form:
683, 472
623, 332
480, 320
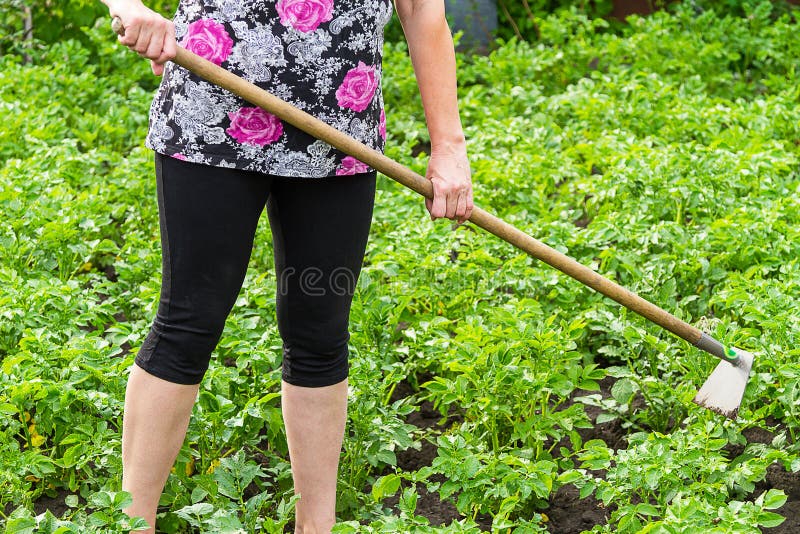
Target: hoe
721, 393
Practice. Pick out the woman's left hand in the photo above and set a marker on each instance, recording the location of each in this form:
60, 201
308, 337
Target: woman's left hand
448, 171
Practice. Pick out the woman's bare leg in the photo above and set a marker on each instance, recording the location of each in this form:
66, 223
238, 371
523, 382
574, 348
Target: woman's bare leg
315, 419
154, 426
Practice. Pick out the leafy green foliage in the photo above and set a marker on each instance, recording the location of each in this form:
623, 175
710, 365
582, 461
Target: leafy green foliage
665, 155
522, 20
57, 20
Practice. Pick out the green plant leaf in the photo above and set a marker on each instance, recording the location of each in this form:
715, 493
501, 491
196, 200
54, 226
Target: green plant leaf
774, 499
385, 486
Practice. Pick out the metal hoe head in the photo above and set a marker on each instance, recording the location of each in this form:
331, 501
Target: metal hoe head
724, 389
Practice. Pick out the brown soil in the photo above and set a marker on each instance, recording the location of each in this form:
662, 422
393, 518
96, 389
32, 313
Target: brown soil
778, 478
429, 505
569, 514
611, 432
54, 504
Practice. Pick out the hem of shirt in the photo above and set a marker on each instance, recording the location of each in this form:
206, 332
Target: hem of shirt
238, 165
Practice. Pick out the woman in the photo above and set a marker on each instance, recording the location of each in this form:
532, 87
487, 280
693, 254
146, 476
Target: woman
219, 161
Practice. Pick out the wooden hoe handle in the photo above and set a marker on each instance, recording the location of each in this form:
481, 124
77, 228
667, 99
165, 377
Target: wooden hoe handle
492, 224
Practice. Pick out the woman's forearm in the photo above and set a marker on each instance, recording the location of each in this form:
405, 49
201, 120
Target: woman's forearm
430, 46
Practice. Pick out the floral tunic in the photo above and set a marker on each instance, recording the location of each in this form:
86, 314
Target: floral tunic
323, 56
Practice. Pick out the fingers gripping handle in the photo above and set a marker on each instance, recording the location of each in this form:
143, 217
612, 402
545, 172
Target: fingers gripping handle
116, 25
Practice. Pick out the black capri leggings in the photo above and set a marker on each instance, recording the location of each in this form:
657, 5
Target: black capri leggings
208, 218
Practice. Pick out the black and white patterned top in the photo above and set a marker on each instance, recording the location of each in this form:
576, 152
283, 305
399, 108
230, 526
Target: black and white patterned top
323, 56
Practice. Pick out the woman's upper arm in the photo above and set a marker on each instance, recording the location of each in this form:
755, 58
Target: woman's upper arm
408, 9
404, 9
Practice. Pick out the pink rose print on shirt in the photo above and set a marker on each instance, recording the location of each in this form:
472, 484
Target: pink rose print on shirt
208, 38
305, 15
179, 156
382, 125
357, 88
351, 165
255, 126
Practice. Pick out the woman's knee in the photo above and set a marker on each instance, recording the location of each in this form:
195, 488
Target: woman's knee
316, 363
179, 352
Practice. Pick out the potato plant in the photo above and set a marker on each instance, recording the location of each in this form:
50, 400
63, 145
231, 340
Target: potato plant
664, 153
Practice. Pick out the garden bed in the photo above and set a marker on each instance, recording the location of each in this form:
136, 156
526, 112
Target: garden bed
486, 391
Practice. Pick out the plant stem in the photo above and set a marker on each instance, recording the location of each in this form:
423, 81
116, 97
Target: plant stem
27, 36
536, 29
511, 20
389, 394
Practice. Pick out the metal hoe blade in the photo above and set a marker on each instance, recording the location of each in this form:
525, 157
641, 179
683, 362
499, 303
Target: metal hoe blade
724, 389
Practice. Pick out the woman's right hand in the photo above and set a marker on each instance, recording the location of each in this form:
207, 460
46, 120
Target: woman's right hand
146, 32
